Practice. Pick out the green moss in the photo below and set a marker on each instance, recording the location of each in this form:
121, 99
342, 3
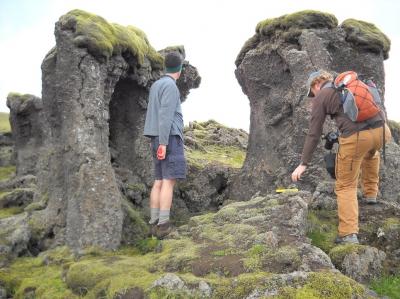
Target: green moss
4, 122
325, 285
136, 221
7, 172
226, 155
31, 274
387, 286
253, 260
8, 212
103, 39
322, 228
16, 95
240, 287
338, 253
148, 245
57, 256
367, 36
176, 255
305, 19
288, 27
37, 225
391, 224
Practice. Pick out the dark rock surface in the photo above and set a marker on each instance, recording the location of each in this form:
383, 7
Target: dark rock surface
28, 126
87, 130
272, 69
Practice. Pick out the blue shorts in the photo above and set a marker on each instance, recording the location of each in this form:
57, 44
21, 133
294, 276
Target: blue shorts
174, 164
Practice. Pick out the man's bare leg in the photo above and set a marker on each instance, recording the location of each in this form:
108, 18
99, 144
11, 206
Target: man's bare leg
155, 201
167, 190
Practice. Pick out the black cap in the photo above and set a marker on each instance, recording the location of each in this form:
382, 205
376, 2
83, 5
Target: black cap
173, 62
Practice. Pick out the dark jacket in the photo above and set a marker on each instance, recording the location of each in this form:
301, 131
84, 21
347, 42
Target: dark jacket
327, 102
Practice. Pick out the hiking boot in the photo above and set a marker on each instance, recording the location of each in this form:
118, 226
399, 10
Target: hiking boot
349, 239
370, 200
153, 229
163, 229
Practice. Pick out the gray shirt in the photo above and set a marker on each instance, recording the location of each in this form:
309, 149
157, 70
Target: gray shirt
164, 112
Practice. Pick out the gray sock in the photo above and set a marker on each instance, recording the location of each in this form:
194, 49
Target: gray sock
154, 214
164, 216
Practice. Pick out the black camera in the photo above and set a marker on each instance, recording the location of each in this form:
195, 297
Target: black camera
330, 139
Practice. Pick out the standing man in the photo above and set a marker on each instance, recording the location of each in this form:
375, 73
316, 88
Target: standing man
359, 146
164, 125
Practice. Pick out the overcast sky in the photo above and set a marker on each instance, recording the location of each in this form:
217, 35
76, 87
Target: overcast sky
212, 32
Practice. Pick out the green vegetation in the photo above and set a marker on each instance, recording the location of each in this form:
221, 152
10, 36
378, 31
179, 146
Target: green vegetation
300, 20
103, 39
391, 223
7, 212
387, 286
367, 36
148, 245
322, 228
7, 172
58, 273
4, 123
325, 285
228, 155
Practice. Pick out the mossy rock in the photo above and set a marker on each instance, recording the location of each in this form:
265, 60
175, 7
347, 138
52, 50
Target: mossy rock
18, 96
325, 285
338, 253
306, 19
366, 36
134, 227
103, 39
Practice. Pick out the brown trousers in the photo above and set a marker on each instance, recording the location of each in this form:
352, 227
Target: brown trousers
358, 153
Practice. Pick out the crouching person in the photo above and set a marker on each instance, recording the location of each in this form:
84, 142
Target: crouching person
359, 145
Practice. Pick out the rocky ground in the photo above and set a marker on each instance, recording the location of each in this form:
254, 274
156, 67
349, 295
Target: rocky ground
275, 246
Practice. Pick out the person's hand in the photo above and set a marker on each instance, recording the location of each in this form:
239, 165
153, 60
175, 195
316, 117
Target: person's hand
161, 151
296, 175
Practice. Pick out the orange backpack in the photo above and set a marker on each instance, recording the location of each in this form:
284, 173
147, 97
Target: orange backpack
360, 100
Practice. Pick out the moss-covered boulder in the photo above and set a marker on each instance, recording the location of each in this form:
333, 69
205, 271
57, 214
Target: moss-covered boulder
366, 36
360, 262
103, 39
